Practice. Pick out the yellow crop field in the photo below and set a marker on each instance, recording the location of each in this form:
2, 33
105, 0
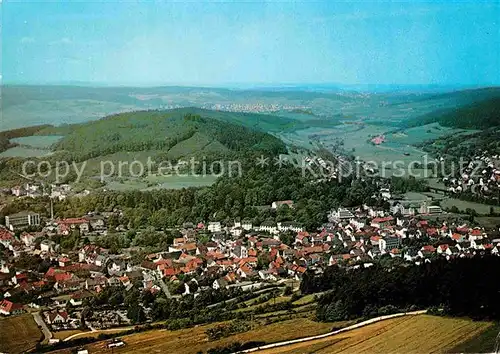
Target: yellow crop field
18, 334
410, 334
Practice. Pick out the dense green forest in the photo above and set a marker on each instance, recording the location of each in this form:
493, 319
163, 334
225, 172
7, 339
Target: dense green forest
478, 115
459, 145
163, 130
230, 197
460, 287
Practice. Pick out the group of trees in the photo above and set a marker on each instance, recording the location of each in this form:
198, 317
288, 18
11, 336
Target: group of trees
146, 238
403, 185
227, 329
461, 287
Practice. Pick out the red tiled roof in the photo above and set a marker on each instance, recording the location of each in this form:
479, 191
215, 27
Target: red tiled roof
53, 315
6, 235
456, 236
167, 262
9, 306
386, 219
72, 221
61, 277
301, 269
245, 269
476, 232
432, 231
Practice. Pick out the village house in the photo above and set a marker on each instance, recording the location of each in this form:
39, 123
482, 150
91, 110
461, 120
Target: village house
10, 308
382, 222
246, 225
214, 227
56, 317
65, 226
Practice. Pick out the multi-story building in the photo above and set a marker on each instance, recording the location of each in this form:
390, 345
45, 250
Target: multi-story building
389, 243
22, 220
340, 214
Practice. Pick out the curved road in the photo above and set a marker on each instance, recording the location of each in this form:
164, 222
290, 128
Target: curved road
358, 325
40, 322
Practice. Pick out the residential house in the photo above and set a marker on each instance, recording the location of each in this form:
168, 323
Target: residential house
65, 226
56, 317
214, 227
10, 308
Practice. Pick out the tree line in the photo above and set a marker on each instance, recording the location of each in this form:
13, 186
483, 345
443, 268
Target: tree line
460, 287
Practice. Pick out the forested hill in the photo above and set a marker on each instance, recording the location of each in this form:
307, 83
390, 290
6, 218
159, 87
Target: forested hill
183, 132
479, 115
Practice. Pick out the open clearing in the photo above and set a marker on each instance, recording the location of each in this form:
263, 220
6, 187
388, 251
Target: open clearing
38, 141
18, 334
166, 182
482, 209
410, 334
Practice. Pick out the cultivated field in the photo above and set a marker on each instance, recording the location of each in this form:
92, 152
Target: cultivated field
188, 341
482, 209
18, 334
415, 334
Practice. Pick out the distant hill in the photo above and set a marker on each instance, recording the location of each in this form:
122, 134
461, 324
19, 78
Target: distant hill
478, 115
181, 132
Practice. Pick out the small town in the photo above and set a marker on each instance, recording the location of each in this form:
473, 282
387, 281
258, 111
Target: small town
58, 281
269, 177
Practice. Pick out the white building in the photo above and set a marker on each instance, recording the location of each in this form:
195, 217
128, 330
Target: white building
214, 226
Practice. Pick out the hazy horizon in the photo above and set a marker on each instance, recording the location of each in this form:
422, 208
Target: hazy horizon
215, 44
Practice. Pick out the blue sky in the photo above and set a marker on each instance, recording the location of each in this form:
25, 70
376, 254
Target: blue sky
224, 43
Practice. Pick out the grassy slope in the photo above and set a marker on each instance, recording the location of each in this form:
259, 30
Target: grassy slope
18, 334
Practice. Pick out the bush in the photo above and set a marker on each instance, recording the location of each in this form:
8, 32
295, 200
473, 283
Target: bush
225, 330
287, 291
